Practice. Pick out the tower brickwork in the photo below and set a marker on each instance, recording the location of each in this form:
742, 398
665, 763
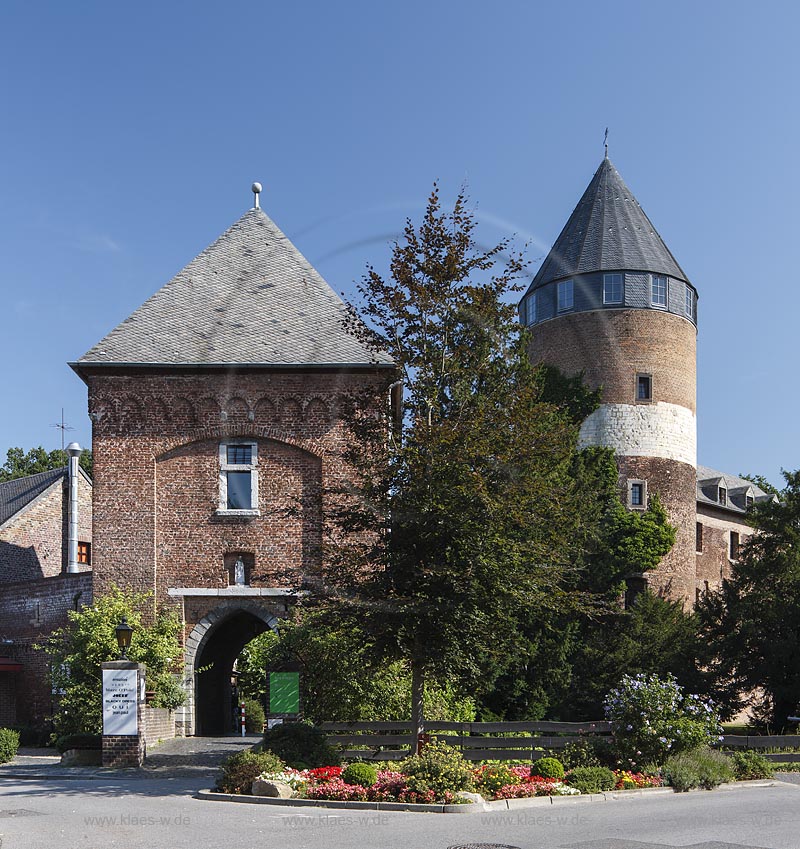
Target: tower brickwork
611, 302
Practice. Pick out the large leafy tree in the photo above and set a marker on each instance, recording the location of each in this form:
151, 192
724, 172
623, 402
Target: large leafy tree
752, 624
20, 464
77, 651
460, 521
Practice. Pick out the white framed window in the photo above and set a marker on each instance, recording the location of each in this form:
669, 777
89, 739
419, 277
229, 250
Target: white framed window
612, 288
238, 478
637, 494
530, 307
691, 304
658, 290
565, 295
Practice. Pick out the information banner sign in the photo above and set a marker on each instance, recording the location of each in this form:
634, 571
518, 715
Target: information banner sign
284, 693
120, 693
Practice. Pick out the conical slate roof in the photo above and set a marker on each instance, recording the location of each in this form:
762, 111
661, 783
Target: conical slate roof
251, 299
607, 231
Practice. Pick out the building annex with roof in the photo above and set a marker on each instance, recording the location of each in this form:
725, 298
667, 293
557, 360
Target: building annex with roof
217, 434
611, 302
45, 571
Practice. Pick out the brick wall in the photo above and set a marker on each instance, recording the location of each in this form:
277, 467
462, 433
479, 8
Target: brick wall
159, 724
156, 492
713, 562
29, 612
33, 544
612, 346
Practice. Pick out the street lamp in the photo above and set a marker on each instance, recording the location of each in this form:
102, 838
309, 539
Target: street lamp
124, 633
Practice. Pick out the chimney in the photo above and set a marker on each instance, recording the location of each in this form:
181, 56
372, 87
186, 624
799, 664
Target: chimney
74, 450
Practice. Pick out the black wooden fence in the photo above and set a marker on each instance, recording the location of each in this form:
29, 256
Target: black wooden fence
503, 741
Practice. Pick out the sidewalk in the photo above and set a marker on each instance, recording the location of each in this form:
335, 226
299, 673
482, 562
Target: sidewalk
179, 758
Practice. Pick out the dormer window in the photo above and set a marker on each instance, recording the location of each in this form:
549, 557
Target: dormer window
612, 288
749, 501
658, 290
238, 478
722, 496
565, 295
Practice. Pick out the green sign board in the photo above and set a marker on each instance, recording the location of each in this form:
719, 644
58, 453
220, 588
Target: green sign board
284, 692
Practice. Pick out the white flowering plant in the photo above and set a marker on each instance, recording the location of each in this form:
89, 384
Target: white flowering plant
652, 718
295, 778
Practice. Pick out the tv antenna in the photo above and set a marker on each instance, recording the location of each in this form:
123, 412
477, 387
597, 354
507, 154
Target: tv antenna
62, 426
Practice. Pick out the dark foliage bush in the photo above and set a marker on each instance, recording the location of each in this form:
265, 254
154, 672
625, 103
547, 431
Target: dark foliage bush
364, 774
9, 743
591, 779
701, 767
79, 741
589, 751
33, 735
749, 765
548, 768
239, 771
300, 745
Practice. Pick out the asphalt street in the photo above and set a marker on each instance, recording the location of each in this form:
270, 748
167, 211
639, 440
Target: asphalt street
161, 812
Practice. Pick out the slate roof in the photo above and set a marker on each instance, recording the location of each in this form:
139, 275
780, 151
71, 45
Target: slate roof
16, 494
251, 298
607, 231
709, 480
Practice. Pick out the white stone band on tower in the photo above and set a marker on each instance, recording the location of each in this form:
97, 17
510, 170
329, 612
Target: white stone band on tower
668, 431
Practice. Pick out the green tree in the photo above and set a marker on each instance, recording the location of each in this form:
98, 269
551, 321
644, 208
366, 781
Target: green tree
763, 483
20, 464
78, 650
459, 520
752, 625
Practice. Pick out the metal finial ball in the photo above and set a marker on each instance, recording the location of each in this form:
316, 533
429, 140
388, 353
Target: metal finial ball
256, 188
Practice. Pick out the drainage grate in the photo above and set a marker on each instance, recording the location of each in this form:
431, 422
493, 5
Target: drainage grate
483, 846
21, 812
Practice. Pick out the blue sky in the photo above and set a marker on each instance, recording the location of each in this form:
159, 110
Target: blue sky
130, 135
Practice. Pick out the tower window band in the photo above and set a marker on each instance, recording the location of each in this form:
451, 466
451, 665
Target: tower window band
612, 288
565, 295
644, 387
658, 290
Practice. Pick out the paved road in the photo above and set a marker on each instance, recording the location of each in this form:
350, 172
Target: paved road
138, 813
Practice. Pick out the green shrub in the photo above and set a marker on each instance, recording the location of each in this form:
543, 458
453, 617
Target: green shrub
301, 745
702, 767
591, 779
9, 743
492, 778
254, 717
652, 718
364, 774
548, 768
588, 751
79, 741
748, 765
239, 771
438, 767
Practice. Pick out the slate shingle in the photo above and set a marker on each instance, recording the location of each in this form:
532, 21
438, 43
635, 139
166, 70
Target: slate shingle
607, 231
251, 298
16, 494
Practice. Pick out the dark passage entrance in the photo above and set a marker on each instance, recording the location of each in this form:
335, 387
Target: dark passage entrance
213, 668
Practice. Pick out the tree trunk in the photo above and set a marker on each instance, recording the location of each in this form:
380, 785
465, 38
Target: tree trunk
417, 704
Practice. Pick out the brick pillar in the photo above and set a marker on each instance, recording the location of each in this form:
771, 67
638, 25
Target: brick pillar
123, 695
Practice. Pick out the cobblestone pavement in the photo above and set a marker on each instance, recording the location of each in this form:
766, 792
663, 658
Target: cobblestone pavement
181, 757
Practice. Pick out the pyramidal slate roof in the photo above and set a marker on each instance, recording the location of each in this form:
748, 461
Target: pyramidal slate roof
607, 231
250, 299
18, 493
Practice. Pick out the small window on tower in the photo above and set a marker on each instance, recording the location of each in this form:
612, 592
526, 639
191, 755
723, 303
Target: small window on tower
531, 309
85, 553
644, 387
637, 494
565, 295
658, 290
734, 555
699, 537
612, 288
691, 304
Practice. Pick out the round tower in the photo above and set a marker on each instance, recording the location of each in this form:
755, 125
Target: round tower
611, 301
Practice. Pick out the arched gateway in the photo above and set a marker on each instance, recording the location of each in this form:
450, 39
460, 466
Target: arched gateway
217, 435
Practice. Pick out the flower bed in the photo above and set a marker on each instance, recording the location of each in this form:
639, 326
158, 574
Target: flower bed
627, 780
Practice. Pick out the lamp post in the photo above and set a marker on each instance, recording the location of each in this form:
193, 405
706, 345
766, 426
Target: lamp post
124, 633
